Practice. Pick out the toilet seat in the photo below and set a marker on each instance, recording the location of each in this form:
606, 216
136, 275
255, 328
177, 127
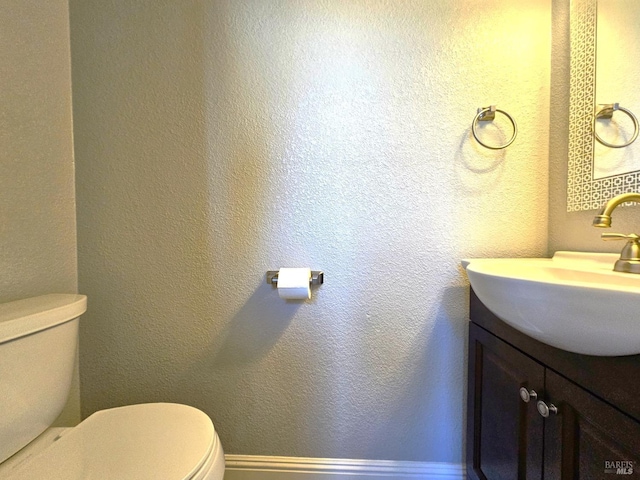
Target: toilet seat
148, 441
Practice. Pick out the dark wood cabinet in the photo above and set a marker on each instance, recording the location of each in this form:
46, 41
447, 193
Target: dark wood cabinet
585, 435
504, 432
588, 438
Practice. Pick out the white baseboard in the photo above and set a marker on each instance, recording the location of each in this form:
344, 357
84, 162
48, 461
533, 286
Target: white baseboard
254, 467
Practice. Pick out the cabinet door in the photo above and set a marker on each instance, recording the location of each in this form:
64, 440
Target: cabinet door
587, 438
504, 434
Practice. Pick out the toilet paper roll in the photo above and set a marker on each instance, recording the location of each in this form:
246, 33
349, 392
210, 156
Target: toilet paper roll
294, 283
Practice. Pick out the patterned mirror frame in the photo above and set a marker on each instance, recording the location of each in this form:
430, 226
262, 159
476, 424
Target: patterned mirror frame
583, 191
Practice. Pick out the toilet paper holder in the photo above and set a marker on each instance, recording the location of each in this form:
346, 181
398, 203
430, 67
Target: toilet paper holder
317, 277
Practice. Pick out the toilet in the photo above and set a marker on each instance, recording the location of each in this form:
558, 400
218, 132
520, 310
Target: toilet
38, 339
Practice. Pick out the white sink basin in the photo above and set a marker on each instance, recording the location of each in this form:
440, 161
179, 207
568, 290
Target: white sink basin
573, 301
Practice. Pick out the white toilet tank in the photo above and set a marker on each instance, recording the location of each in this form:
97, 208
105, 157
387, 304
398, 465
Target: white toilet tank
38, 341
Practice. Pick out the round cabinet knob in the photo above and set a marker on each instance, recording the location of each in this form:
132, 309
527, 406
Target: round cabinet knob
527, 395
545, 410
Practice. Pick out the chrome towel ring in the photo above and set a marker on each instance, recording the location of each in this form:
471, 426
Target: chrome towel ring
487, 114
606, 111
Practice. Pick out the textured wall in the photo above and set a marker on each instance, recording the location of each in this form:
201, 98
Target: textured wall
571, 231
216, 140
37, 205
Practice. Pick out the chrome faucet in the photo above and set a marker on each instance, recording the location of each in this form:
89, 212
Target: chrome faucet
629, 261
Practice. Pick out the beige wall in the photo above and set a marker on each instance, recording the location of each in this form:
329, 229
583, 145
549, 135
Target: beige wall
37, 204
216, 140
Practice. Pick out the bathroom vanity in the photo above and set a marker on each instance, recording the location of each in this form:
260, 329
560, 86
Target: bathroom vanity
538, 412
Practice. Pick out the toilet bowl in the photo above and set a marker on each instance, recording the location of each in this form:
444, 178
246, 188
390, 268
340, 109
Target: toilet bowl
156, 441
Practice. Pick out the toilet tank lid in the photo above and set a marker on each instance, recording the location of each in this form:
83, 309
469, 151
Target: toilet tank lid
30, 315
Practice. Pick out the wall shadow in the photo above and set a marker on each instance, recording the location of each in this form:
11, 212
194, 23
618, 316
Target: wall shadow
253, 331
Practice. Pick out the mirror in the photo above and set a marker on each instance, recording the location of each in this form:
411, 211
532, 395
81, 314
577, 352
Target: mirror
596, 172
617, 72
